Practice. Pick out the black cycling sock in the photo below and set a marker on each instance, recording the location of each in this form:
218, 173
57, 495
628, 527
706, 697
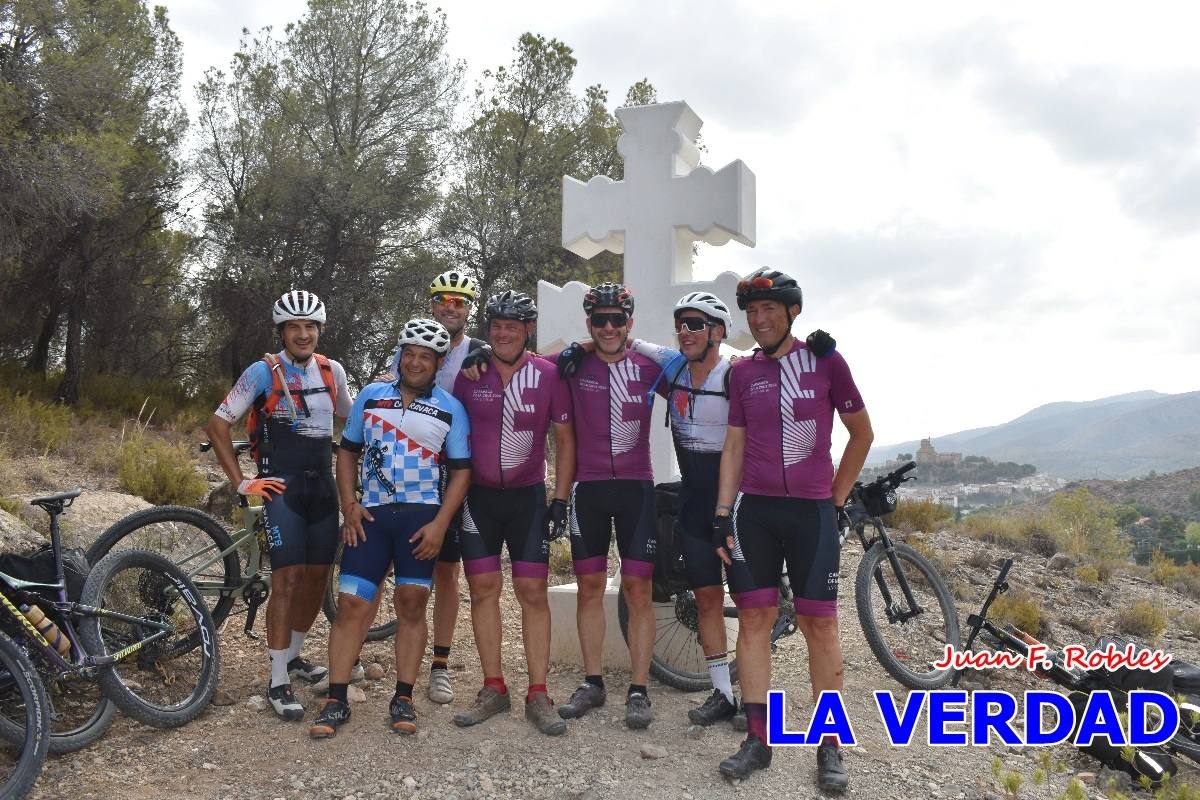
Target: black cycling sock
404, 689
337, 691
595, 680
637, 687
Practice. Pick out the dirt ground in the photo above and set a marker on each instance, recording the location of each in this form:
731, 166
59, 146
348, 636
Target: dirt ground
236, 751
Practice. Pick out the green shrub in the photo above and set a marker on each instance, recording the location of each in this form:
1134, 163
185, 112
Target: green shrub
1088, 573
1019, 608
1143, 619
10, 505
161, 473
29, 425
919, 515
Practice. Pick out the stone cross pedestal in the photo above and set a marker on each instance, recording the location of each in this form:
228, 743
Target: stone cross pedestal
666, 202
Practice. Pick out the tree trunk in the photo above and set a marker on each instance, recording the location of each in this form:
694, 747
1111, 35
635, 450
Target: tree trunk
39, 359
68, 389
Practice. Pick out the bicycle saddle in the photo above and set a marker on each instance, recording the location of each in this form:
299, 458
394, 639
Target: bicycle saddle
60, 499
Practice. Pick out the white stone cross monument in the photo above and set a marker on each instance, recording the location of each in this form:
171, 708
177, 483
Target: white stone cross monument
666, 202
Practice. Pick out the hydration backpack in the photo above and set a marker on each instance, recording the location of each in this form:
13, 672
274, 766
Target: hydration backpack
265, 405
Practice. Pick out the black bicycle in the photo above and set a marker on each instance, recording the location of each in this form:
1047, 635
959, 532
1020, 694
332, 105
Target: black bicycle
1153, 765
224, 566
139, 638
903, 604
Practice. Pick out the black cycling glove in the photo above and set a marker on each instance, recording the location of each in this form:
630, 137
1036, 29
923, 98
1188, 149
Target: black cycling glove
477, 357
820, 343
557, 513
570, 359
722, 532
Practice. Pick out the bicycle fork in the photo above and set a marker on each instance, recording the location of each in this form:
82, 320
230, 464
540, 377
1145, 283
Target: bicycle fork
895, 615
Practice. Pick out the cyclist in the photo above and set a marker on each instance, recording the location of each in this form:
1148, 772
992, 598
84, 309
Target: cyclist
292, 397
451, 296
511, 408
401, 432
777, 502
696, 386
614, 487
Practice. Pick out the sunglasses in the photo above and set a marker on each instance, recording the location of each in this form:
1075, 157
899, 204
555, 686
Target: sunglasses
755, 283
451, 301
616, 319
693, 324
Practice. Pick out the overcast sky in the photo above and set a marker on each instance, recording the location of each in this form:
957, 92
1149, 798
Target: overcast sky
989, 209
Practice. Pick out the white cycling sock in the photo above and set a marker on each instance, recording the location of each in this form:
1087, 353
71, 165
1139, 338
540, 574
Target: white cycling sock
718, 673
279, 673
297, 644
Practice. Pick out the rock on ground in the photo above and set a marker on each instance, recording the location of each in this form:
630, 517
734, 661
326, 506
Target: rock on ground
16, 536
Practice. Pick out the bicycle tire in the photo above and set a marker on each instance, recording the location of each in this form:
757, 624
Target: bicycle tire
920, 643
23, 705
329, 602
220, 599
163, 591
676, 662
75, 731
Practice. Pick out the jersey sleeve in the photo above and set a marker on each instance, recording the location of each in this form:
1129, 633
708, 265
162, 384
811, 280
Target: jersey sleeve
458, 439
255, 381
655, 352
843, 392
562, 410
352, 433
343, 391
737, 411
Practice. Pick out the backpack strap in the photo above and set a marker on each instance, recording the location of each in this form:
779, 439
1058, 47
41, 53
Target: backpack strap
327, 376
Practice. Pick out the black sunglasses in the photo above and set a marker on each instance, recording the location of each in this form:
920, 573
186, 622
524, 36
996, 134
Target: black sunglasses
693, 324
617, 319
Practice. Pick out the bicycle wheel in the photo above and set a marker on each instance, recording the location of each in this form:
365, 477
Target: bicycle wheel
906, 648
384, 624
188, 537
23, 708
77, 711
167, 682
678, 659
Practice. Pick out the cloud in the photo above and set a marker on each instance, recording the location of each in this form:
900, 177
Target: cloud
1141, 127
918, 271
761, 69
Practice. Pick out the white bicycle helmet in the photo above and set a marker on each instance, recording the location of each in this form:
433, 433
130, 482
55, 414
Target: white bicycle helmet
426, 333
708, 304
298, 304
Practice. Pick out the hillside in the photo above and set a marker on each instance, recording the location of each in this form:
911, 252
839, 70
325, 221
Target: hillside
1114, 437
1167, 494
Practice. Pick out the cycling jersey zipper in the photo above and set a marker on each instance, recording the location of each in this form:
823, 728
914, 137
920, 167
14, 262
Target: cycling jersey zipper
612, 460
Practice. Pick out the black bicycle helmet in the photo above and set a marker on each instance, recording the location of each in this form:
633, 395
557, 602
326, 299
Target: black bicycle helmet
769, 284
511, 305
608, 295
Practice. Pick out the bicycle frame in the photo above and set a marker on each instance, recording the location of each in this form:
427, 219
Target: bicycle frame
251, 516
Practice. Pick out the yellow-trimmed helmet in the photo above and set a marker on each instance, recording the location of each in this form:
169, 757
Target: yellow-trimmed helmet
456, 282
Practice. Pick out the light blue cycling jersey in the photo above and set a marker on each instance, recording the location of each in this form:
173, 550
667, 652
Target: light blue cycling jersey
403, 448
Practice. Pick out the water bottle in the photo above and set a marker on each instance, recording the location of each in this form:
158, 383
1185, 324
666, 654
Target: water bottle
48, 629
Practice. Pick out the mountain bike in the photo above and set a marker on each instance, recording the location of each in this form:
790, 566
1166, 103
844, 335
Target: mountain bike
140, 639
905, 609
213, 558
1153, 764
24, 710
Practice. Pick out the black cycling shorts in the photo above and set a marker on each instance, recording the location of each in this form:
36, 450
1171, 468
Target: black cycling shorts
700, 560
302, 523
365, 565
599, 506
769, 531
451, 551
493, 518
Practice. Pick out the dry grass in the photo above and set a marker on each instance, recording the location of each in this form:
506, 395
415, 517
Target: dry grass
1142, 619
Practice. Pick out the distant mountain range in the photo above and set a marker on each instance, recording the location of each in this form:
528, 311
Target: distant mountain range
1114, 437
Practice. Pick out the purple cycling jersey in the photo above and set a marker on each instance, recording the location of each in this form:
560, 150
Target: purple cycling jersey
509, 423
791, 401
613, 403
